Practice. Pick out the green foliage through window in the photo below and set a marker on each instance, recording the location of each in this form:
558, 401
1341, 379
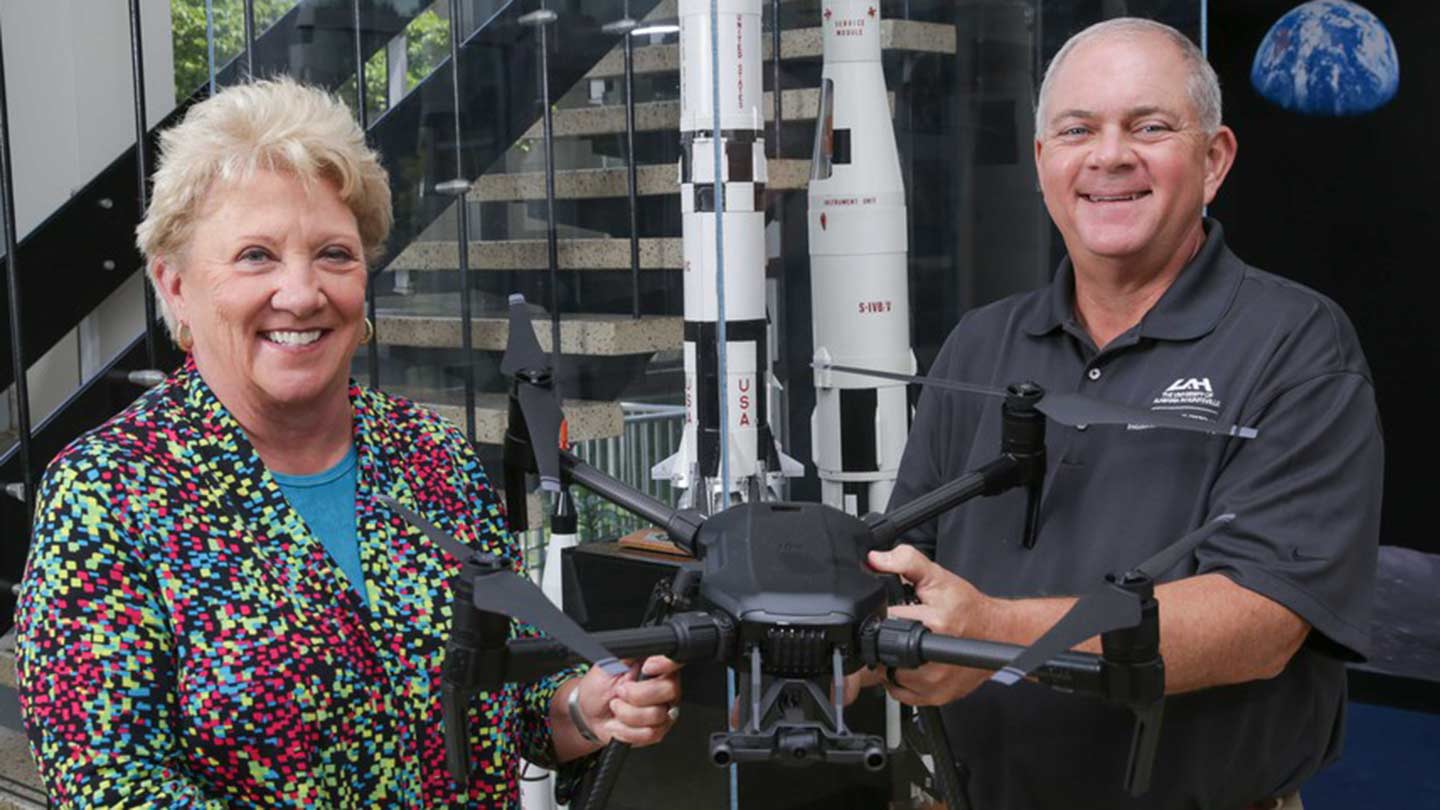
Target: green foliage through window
188, 36
427, 46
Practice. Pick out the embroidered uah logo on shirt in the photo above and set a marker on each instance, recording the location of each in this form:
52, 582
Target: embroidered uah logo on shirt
1190, 396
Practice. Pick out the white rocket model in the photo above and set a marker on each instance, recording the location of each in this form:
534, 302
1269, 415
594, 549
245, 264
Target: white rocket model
858, 282
754, 458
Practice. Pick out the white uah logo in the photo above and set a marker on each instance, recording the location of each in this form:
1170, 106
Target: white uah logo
1191, 396
1190, 384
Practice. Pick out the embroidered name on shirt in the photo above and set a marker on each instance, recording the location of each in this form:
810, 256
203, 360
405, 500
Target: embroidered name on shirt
1192, 396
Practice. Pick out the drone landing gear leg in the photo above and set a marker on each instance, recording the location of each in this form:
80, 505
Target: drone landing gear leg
794, 720
754, 689
667, 599
947, 770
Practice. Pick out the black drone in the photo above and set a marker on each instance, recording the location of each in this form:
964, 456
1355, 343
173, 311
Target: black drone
782, 594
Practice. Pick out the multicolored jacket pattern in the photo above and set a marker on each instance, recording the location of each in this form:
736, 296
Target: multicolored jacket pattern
185, 641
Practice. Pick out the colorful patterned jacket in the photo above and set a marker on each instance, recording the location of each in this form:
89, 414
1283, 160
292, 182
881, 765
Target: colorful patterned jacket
184, 640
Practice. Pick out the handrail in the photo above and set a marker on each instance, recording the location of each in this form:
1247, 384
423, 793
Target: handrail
362, 113
13, 299
249, 39
142, 166
460, 185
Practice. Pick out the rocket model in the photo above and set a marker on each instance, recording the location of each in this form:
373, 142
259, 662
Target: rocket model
754, 458
860, 299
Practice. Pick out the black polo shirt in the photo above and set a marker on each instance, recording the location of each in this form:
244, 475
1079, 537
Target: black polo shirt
1226, 342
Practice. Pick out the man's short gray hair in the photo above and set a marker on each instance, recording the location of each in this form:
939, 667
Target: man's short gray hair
1201, 83
277, 125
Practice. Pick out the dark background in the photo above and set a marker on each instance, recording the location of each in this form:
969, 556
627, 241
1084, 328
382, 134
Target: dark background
1340, 204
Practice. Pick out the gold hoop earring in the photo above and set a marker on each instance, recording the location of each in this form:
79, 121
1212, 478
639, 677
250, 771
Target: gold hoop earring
369, 331
183, 338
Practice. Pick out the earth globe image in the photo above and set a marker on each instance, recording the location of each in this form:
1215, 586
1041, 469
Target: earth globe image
1327, 57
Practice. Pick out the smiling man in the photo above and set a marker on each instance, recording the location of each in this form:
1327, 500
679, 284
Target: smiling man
1151, 309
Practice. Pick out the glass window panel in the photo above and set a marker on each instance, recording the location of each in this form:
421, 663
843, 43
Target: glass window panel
190, 36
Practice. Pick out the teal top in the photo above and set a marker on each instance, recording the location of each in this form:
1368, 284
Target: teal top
326, 500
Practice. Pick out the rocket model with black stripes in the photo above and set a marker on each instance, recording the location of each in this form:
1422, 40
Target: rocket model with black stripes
858, 284
755, 460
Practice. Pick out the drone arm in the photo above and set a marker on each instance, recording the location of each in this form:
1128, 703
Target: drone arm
1021, 463
889, 526
685, 637
681, 525
518, 459
1116, 677
470, 658
515, 507
1077, 672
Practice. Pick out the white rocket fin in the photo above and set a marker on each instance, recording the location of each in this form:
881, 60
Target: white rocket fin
662, 471
675, 466
789, 467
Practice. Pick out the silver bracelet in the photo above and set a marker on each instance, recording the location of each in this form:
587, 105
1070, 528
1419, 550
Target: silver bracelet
577, 717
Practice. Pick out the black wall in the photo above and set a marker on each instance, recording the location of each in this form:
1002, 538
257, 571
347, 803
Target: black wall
1346, 206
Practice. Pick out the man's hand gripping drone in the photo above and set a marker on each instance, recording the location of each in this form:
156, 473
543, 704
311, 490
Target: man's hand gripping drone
786, 599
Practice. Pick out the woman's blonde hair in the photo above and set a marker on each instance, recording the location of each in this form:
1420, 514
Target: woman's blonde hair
275, 125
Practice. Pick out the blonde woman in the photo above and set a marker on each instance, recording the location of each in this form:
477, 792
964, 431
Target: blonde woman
217, 610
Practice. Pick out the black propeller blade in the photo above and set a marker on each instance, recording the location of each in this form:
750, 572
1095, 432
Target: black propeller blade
911, 378
1164, 559
1069, 409
508, 594
1078, 409
522, 348
528, 364
453, 547
1100, 611
542, 421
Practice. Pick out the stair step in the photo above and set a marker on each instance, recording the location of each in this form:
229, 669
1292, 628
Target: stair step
20, 785
534, 507
588, 419
580, 333
653, 116
656, 253
785, 174
7, 659
797, 43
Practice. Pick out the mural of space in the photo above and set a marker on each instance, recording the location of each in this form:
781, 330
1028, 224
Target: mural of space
1327, 58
